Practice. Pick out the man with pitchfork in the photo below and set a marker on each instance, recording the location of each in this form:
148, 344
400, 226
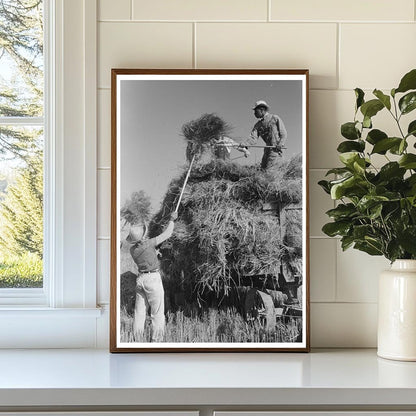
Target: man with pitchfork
271, 129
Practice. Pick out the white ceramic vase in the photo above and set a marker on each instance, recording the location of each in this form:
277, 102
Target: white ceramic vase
397, 312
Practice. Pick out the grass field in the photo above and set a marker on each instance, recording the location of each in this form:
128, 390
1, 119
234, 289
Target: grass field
24, 271
214, 326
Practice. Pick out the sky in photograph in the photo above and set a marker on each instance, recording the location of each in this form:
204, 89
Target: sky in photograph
152, 150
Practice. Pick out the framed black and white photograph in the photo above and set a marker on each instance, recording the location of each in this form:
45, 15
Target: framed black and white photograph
209, 211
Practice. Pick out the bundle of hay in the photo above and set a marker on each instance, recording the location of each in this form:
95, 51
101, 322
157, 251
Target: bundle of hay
201, 133
222, 233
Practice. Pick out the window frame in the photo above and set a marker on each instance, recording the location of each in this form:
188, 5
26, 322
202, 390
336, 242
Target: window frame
70, 207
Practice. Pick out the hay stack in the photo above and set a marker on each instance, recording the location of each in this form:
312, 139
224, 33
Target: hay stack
222, 233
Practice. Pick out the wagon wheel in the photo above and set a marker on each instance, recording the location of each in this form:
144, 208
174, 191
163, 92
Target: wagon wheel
259, 305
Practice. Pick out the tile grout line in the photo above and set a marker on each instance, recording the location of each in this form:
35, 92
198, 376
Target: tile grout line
350, 302
338, 64
336, 271
307, 22
131, 9
194, 62
269, 10
322, 237
310, 90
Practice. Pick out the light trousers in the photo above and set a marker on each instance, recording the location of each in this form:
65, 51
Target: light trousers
149, 294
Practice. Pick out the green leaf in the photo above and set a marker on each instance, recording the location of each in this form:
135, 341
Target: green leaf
407, 240
408, 161
408, 82
348, 158
393, 250
368, 248
338, 188
411, 130
359, 94
351, 187
371, 108
361, 231
375, 136
342, 211
408, 102
349, 131
349, 146
346, 242
325, 186
359, 165
385, 99
398, 149
383, 145
393, 92
391, 170
367, 122
338, 171
411, 184
369, 201
336, 228
375, 212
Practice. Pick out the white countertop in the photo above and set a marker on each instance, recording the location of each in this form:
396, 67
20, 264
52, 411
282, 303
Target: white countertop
96, 377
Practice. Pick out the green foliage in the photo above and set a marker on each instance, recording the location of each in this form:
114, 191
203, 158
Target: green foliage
21, 95
21, 271
376, 210
21, 212
21, 52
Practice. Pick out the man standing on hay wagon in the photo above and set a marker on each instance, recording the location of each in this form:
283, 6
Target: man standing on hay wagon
271, 129
149, 287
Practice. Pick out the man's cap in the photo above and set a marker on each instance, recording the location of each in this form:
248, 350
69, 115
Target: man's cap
261, 103
137, 232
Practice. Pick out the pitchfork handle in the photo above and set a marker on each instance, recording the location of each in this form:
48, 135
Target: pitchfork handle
184, 183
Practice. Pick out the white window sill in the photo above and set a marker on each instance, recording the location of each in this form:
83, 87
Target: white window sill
40, 327
36, 312
328, 379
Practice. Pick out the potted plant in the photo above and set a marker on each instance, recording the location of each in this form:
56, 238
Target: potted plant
376, 209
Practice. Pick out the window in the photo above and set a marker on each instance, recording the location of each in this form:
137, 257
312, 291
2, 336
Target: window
22, 132
63, 313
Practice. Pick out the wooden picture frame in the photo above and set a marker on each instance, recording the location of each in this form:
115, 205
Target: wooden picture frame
228, 151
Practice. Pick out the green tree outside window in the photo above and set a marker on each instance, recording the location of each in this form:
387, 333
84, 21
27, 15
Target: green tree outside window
21, 143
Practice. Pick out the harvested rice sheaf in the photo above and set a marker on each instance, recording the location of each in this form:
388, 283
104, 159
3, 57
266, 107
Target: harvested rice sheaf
223, 233
201, 133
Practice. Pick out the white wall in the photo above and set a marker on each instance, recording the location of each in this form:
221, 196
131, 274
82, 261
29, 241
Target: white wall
345, 44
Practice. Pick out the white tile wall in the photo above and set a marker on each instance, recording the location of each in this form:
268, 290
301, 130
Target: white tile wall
345, 44
376, 55
357, 275
343, 325
200, 10
328, 110
114, 10
323, 269
145, 45
271, 45
372, 10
